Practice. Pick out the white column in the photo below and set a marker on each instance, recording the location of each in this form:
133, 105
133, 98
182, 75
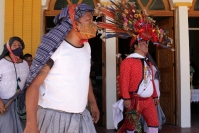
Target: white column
2, 14
110, 80
182, 68
44, 4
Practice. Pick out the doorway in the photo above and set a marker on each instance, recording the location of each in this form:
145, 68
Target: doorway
97, 74
194, 67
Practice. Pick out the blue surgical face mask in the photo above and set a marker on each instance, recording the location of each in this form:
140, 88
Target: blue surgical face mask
17, 51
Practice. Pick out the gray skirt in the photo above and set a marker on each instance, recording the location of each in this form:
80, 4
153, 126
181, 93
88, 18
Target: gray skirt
9, 121
53, 121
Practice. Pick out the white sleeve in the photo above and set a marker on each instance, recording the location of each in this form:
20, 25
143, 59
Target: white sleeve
156, 81
157, 87
87, 45
1, 65
55, 55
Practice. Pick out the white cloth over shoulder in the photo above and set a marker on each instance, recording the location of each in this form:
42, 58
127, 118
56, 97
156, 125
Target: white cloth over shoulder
118, 108
157, 87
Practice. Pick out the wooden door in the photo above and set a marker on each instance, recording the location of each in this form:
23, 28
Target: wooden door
166, 64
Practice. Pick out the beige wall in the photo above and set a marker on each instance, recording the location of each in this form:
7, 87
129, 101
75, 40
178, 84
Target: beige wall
23, 19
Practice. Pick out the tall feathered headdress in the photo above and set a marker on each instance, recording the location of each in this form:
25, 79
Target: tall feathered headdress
124, 20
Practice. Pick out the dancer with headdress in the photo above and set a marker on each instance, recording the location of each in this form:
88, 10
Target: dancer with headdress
138, 71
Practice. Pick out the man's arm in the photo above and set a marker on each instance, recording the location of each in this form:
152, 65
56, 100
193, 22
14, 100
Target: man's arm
156, 84
2, 107
92, 102
124, 82
32, 96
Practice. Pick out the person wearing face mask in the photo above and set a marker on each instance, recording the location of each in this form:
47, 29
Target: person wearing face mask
58, 86
13, 75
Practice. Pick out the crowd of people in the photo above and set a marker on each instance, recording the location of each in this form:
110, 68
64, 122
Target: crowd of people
56, 90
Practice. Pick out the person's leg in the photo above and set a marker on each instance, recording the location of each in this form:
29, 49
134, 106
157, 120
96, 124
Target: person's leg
126, 127
152, 130
9, 121
150, 115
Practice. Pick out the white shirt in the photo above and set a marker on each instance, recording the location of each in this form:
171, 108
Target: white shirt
8, 83
66, 86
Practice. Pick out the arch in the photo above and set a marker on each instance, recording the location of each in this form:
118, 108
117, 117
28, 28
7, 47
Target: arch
49, 11
166, 12
192, 12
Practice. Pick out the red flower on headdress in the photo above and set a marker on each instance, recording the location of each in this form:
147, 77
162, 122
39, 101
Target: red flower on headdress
126, 19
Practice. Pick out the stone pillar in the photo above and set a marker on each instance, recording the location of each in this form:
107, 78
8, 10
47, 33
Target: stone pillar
44, 4
110, 46
182, 61
110, 80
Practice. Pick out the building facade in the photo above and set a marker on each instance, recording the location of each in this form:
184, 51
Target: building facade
27, 19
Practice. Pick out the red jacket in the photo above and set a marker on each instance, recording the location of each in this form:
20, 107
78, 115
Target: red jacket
131, 75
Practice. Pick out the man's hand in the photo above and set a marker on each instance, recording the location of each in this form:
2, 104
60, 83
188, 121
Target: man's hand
93, 104
156, 101
95, 112
31, 128
127, 104
2, 107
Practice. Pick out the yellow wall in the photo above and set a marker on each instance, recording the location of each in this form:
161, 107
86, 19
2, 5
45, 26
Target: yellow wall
23, 19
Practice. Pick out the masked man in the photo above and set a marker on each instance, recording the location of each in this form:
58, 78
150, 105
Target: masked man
58, 92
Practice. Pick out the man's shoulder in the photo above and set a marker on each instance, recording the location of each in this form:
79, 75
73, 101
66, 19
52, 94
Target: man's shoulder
3, 60
131, 59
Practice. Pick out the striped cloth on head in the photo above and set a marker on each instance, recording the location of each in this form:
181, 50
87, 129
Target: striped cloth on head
51, 41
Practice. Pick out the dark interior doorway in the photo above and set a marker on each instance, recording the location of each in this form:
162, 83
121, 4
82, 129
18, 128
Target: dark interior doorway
96, 71
194, 49
194, 66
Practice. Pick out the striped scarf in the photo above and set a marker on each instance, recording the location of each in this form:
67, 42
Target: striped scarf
50, 42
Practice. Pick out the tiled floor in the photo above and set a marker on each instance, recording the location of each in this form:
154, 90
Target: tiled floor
165, 129
169, 128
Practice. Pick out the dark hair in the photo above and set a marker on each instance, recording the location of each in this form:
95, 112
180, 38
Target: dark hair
27, 55
14, 38
11, 40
